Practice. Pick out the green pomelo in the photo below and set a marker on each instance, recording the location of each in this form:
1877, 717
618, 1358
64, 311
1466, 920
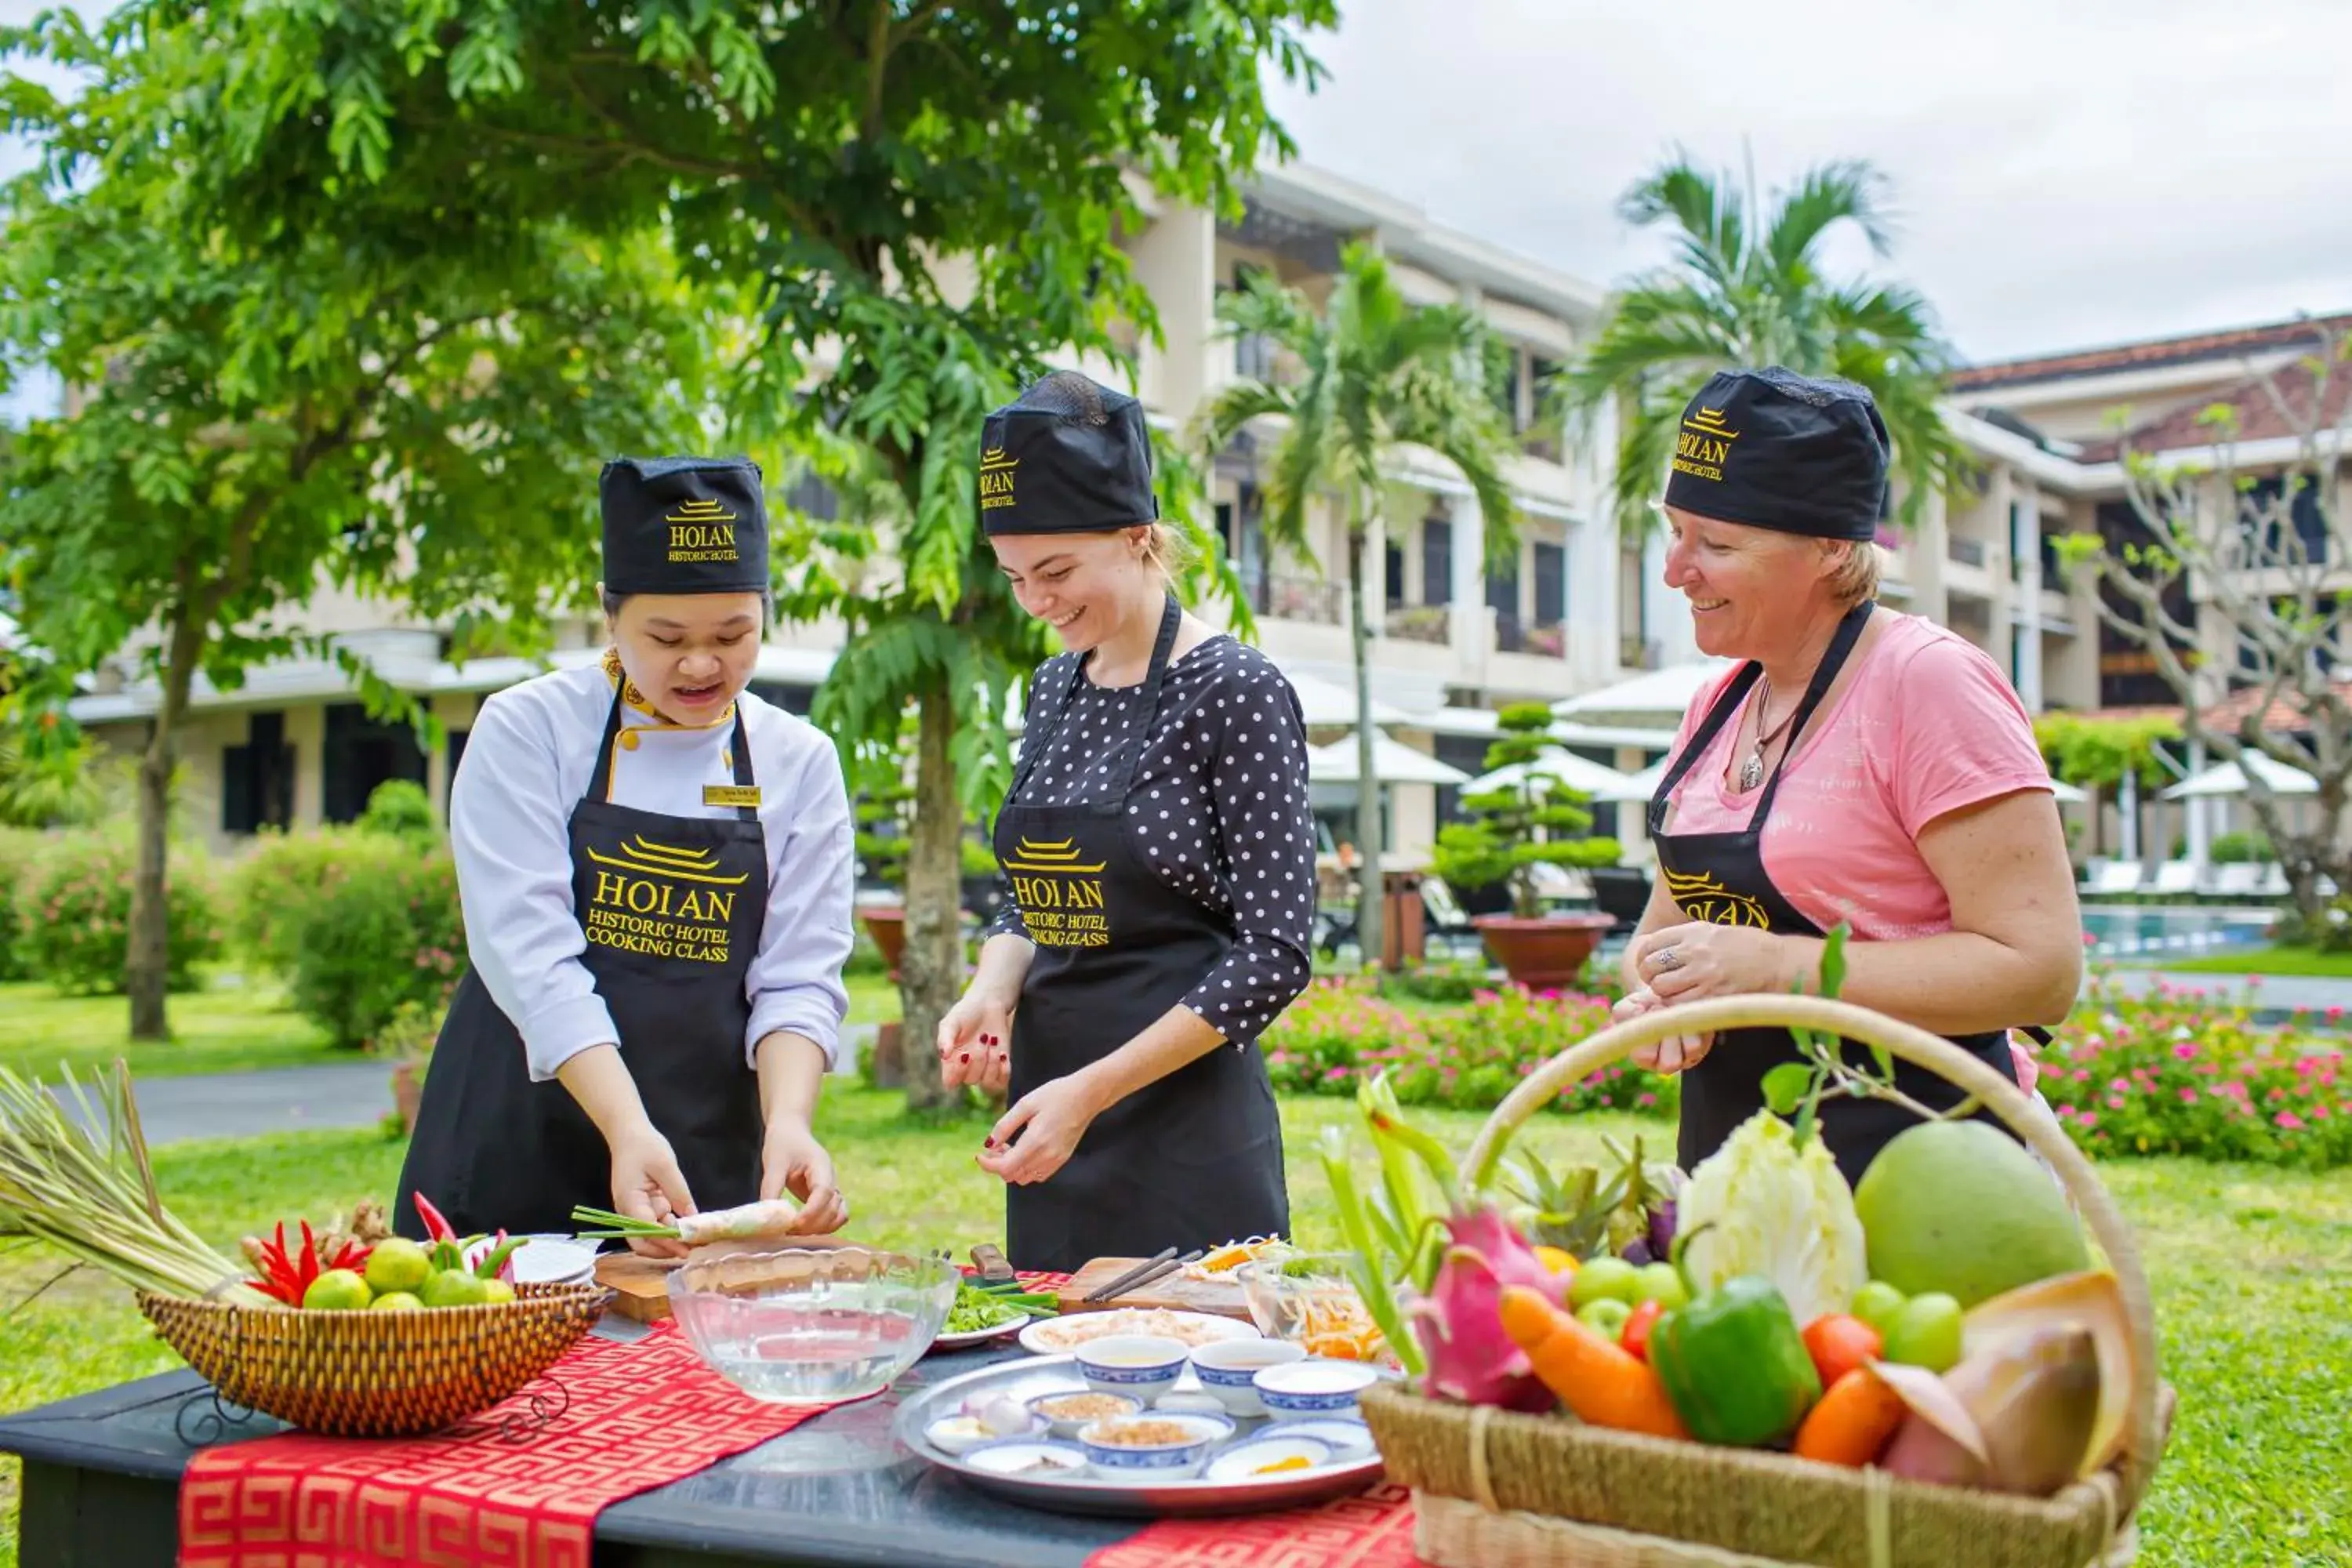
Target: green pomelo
397, 1264
395, 1301
453, 1288
336, 1290
1959, 1207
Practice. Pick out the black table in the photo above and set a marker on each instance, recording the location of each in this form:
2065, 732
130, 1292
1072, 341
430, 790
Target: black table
102, 1475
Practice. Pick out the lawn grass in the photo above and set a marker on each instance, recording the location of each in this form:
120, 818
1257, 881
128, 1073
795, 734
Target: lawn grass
2247, 1265
232, 1025
2300, 962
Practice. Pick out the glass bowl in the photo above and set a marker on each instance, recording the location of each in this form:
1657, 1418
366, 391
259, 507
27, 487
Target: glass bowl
810, 1325
1308, 1300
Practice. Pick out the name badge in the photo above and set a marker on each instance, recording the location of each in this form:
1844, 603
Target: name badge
730, 795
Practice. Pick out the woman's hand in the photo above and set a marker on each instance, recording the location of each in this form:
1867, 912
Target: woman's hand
1670, 1055
1050, 1120
647, 1185
973, 1042
791, 1160
1694, 959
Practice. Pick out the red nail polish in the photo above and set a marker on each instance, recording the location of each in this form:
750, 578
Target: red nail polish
965, 1057
988, 1142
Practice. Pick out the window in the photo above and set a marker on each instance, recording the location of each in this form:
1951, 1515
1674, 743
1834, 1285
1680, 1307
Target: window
2019, 548
1503, 598
1436, 561
2265, 501
361, 752
1394, 562
2054, 571
1551, 584
258, 778
457, 755
2018, 633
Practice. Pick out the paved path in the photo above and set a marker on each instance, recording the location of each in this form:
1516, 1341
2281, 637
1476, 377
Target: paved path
291, 1099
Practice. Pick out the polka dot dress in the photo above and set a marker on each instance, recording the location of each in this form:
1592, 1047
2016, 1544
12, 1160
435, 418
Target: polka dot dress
1218, 811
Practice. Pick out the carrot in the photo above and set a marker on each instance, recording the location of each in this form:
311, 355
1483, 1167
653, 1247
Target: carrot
1602, 1383
1853, 1422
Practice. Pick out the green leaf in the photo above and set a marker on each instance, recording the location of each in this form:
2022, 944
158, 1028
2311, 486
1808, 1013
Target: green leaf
1833, 960
1785, 1086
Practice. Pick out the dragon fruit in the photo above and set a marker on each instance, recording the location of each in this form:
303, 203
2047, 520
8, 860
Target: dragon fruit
1459, 1323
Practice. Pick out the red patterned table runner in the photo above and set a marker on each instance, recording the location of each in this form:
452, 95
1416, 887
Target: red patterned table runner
1370, 1530
641, 1415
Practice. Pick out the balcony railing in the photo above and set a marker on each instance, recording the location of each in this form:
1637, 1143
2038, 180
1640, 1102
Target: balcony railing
1421, 623
1546, 639
1305, 599
1967, 551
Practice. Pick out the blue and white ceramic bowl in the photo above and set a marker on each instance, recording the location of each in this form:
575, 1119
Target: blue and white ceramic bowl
1146, 1365
1228, 1369
1314, 1387
1257, 1459
1348, 1438
1153, 1448
1066, 1409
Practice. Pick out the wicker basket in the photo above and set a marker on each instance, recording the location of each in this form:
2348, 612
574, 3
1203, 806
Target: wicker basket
377, 1375
1497, 1490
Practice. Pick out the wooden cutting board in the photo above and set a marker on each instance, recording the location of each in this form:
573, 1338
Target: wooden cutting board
640, 1285
1170, 1292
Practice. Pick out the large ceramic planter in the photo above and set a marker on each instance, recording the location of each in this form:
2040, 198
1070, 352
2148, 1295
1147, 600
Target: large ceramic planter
1546, 954
887, 923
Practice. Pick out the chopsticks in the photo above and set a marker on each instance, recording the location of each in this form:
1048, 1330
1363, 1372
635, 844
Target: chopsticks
1159, 1265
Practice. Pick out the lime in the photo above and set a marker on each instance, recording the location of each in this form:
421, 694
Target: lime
1608, 1316
1961, 1207
1605, 1280
398, 1264
395, 1301
1925, 1332
1876, 1304
455, 1288
336, 1290
496, 1290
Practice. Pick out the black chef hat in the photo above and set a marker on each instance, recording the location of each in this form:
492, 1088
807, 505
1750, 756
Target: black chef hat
1069, 456
685, 525
1777, 450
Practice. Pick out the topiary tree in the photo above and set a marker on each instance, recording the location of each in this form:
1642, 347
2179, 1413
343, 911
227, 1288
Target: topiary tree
1533, 820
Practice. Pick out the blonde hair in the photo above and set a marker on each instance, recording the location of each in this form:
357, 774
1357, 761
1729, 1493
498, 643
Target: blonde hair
1167, 552
1857, 577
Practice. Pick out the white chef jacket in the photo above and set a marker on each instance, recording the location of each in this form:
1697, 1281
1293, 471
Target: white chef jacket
527, 763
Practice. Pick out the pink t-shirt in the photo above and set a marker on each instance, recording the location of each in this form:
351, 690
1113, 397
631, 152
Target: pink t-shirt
1928, 725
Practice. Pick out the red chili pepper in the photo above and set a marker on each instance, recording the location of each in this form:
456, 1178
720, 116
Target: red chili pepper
1634, 1337
438, 1228
352, 1256
308, 1269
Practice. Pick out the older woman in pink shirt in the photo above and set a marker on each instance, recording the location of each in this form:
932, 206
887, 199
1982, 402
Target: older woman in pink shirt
1859, 766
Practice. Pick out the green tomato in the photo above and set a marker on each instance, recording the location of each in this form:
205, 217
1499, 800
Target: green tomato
1605, 1280
1876, 1304
1662, 1283
1925, 1332
1606, 1316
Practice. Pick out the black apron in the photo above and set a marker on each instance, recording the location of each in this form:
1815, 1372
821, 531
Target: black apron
672, 908
1719, 877
1192, 1160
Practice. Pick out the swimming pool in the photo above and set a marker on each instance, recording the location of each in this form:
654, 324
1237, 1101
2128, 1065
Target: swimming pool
2136, 930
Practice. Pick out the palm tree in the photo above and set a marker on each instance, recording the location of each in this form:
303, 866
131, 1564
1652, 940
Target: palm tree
1374, 373
1741, 295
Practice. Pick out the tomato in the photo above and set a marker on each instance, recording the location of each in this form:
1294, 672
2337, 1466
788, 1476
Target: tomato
1635, 1338
1838, 1344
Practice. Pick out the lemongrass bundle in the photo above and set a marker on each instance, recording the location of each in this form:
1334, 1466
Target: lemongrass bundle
89, 1190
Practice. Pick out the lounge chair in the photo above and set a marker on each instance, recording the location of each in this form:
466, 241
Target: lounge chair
2241, 880
2115, 880
2175, 879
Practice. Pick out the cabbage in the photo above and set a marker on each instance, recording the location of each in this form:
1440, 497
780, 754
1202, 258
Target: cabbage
1761, 1204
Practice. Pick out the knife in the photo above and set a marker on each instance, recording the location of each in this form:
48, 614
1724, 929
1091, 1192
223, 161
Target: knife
993, 1270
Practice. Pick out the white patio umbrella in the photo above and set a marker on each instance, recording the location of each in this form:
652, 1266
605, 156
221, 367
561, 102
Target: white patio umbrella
1660, 696
1577, 772
2228, 779
1323, 702
1395, 761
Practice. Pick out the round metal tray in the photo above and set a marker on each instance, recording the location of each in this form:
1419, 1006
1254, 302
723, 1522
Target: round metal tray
1093, 1494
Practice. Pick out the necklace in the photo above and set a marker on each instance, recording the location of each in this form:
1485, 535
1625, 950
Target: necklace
1752, 771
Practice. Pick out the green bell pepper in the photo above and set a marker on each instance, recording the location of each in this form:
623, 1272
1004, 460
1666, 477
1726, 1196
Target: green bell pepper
1735, 1365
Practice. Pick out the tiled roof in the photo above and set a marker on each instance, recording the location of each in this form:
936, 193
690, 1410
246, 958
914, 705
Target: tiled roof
2148, 354
2261, 416
2281, 718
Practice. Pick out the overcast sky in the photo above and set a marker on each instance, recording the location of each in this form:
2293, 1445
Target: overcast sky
2068, 173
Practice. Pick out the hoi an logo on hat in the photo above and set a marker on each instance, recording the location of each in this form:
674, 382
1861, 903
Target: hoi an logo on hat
996, 479
1060, 897
702, 531
1703, 444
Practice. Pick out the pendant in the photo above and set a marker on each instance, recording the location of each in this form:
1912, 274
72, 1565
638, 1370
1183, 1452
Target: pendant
1752, 771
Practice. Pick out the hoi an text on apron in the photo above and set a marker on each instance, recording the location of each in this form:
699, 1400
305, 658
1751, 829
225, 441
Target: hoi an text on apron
1704, 898
1061, 901
651, 898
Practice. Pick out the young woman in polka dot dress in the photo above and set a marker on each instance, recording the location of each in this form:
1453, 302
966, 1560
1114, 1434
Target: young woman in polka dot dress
1160, 853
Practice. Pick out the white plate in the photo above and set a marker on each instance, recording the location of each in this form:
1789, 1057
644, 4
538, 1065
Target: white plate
1051, 1336
982, 1336
554, 1260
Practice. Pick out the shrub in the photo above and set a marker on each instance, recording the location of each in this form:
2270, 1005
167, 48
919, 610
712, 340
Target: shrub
1468, 1057
2182, 1072
19, 848
273, 886
76, 914
401, 808
383, 928
2234, 849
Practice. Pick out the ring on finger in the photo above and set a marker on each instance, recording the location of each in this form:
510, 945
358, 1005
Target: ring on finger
1664, 959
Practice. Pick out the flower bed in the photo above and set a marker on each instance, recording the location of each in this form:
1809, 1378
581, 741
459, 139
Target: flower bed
1466, 1057
2183, 1071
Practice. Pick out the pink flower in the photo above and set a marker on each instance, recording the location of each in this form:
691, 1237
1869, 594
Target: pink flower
2090, 1119
2188, 1095
2289, 1120
2115, 1102
2185, 1050
2335, 1015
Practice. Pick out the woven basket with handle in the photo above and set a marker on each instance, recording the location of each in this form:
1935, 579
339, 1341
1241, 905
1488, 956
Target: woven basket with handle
377, 1375
1493, 1488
